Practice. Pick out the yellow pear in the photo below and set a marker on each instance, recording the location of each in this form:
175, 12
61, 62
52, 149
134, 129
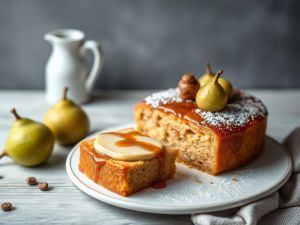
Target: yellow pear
29, 143
207, 76
67, 120
226, 85
212, 97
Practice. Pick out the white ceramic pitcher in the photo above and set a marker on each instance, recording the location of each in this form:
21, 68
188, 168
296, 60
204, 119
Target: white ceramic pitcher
67, 65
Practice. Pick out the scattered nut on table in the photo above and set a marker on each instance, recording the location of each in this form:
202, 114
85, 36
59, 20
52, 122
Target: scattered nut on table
31, 181
6, 206
43, 186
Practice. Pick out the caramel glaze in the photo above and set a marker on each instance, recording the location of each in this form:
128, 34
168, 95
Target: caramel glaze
129, 140
98, 158
159, 185
186, 110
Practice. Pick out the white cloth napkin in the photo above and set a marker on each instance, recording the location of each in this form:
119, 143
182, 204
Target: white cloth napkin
280, 208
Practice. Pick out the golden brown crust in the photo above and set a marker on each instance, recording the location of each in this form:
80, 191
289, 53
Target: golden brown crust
122, 177
239, 149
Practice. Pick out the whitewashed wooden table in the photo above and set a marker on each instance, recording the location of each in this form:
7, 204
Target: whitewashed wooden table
64, 203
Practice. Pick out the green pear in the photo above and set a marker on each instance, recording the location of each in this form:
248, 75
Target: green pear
227, 86
212, 97
208, 76
29, 143
67, 120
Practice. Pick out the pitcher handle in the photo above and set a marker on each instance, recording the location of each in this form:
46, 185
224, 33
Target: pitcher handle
97, 64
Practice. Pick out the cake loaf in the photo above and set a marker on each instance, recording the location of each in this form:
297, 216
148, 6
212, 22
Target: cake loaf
209, 141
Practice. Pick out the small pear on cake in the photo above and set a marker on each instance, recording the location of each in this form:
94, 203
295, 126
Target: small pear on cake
209, 76
212, 97
126, 161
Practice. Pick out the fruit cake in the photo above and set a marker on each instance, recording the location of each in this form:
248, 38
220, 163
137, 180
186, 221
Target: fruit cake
209, 141
125, 161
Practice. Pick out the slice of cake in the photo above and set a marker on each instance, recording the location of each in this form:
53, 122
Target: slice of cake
209, 141
126, 161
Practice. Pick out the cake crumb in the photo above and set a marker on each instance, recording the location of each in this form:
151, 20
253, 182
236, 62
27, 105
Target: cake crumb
197, 180
211, 182
234, 178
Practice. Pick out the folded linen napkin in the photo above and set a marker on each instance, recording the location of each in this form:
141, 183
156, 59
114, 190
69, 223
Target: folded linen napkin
280, 208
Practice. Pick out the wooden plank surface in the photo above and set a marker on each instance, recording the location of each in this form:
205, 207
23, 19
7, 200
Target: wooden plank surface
64, 203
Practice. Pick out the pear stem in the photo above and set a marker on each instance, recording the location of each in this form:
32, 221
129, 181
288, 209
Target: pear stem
218, 74
2, 154
14, 112
65, 94
208, 68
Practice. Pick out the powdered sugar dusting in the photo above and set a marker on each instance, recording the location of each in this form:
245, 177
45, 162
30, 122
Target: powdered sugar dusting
163, 97
243, 109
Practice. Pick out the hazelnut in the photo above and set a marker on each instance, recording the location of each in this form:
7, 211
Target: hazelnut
43, 186
6, 206
31, 181
188, 87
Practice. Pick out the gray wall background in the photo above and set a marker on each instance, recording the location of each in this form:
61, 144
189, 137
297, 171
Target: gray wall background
150, 44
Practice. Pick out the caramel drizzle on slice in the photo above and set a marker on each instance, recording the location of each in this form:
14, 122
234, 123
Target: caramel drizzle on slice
130, 139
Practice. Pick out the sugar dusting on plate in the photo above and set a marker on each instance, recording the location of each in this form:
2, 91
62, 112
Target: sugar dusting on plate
241, 110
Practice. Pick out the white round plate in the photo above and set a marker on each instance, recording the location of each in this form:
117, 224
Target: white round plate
192, 191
